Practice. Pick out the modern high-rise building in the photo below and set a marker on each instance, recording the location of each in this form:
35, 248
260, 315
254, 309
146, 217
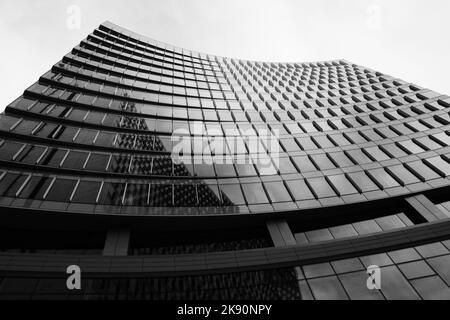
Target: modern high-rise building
163, 173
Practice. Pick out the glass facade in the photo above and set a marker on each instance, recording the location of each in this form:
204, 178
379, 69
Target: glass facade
197, 154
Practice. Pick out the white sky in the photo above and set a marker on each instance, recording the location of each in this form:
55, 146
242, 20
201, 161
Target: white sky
408, 39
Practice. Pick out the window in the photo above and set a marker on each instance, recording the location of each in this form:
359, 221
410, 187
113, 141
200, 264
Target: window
204, 170
86, 136
75, 160
300, 190
53, 157
358, 156
402, 175
376, 154
421, 171
225, 170
245, 170
342, 185
87, 192
161, 195
9, 149
323, 142
304, 164
111, 194
97, 162
185, 195
208, 195
35, 188
136, 195
340, 159
277, 192
362, 182
328, 288
383, 179
162, 166
105, 139
30, 154
11, 183
323, 162
410, 147
61, 190
232, 194
285, 166
321, 188
307, 144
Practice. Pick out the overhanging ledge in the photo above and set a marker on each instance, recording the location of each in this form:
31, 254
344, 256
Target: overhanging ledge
224, 262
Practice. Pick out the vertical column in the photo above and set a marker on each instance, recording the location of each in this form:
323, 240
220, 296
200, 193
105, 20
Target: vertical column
282, 236
280, 233
117, 242
423, 207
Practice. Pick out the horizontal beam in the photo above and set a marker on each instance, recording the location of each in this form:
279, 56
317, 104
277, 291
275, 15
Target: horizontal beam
227, 262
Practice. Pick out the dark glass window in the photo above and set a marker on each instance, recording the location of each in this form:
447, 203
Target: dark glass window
53, 157
25, 127
61, 190
120, 163
35, 188
66, 133
75, 160
162, 166
112, 194
87, 192
45, 130
97, 162
8, 150
208, 195
136, 195
86, 136
11, 183
145, 142
30, 154
161, 195
105, 139
185, 195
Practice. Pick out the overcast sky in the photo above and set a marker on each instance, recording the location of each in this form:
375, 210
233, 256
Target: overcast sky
408, 39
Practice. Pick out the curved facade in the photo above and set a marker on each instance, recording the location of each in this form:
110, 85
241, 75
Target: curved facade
169, 174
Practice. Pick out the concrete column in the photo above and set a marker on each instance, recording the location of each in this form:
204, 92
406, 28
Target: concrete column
426, 209
117, 242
